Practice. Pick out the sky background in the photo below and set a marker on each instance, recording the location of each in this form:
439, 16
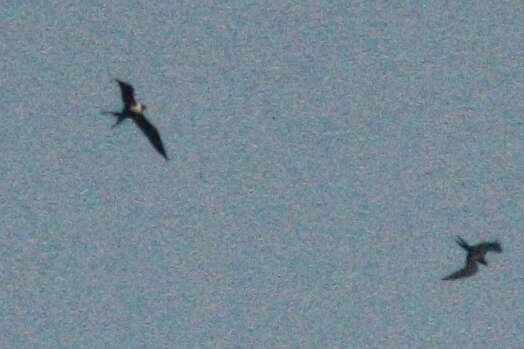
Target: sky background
324, 155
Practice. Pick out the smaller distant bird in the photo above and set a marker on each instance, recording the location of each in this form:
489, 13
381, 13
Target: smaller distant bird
135, 111
476, 254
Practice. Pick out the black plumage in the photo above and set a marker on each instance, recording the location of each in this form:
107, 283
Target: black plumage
135, 111
476, 254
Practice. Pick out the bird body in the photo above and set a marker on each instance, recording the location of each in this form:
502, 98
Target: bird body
135, 111
476, 253
137, 108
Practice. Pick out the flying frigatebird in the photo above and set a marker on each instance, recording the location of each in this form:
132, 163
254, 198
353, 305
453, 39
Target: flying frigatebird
135, 111
476, 253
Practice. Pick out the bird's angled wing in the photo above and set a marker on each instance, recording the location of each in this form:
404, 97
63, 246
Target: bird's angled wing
491, 246
128, 93
470, 269
152, 134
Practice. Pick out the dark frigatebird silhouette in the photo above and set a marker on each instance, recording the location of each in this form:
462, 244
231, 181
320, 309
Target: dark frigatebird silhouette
135, 111
476, 254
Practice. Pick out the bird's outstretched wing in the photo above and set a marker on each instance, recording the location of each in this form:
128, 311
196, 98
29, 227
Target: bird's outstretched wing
151, 132
491, 246
128, 93
470, 269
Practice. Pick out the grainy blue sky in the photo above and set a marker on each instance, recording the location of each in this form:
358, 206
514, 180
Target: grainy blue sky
324, 154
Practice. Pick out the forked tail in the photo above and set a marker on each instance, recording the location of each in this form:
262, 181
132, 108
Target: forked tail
120, 117
463, 243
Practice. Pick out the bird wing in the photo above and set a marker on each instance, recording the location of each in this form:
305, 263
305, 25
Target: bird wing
491, 246
128, 93
151, 132
470, 269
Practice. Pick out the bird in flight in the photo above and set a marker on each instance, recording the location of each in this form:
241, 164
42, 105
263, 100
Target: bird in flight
476, 254
135, 111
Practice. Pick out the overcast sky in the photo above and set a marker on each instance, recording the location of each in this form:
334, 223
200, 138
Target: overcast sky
323, 158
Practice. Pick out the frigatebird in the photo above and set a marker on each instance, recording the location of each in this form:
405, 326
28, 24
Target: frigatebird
135, 111
476, 254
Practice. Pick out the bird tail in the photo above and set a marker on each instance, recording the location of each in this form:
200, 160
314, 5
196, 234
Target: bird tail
120, 117
462, 243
